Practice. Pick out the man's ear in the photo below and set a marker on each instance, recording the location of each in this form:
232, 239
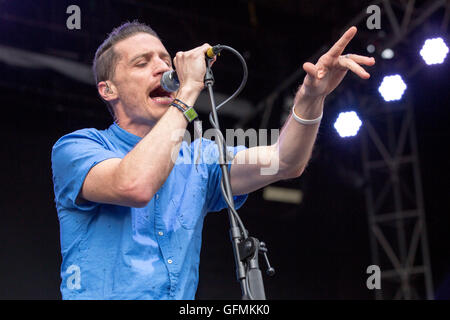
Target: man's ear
107, 90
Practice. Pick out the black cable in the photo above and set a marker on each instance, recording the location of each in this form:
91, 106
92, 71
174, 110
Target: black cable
249, 291
227, 200
224, 161
241, 86
241, 225
220, 135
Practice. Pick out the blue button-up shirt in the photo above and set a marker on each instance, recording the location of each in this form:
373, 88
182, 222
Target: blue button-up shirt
117, 252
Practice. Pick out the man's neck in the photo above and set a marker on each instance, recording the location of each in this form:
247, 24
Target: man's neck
138, 129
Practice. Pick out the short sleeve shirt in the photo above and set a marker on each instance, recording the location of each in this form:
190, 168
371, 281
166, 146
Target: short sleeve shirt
117, 252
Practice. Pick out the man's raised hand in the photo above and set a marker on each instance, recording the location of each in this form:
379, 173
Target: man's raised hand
324, 76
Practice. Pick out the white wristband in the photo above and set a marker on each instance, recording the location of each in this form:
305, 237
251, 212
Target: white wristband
304, 121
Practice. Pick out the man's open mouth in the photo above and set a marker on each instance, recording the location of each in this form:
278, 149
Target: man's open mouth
161, 96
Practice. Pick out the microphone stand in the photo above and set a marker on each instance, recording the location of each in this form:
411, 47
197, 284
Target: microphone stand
245, 249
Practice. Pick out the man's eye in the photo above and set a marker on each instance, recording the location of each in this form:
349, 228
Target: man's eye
140, 65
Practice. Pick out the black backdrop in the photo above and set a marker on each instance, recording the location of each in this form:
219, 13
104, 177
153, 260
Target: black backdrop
319, 248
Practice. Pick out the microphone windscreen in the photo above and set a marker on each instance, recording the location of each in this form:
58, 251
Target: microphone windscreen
169, 81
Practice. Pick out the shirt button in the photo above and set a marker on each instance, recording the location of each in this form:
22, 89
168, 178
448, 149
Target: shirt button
169, 261
160, 233
157, 196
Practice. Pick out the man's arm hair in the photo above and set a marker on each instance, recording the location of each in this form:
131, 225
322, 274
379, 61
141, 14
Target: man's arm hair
133, 180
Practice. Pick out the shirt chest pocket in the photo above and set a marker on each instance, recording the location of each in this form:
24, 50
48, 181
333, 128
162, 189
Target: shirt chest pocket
189, 201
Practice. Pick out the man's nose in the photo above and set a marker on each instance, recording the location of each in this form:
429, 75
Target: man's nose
161, 67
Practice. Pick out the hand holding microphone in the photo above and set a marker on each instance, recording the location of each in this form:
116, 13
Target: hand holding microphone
191, 68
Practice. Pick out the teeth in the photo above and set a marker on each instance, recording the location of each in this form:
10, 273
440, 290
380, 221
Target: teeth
162, 100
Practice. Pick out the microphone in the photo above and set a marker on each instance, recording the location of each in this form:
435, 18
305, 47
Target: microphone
169, 79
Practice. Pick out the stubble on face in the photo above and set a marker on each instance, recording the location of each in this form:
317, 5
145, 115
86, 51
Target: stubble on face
142, 61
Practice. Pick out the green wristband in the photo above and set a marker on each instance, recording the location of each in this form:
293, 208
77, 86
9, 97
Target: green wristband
189, 112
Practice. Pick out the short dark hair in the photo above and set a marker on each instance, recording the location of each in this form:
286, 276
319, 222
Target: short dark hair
105, 60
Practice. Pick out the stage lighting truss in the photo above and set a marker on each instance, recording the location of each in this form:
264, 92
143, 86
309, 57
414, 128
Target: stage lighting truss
399, 20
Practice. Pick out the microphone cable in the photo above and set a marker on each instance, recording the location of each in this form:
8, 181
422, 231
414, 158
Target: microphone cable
243, 82
219, 48
223, 158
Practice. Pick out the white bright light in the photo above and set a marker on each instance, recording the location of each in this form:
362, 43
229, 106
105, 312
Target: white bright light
347, 124
392, 88
387, 54
370, 48
434, 51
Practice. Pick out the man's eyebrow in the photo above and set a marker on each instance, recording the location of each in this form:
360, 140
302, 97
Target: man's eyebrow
149, 54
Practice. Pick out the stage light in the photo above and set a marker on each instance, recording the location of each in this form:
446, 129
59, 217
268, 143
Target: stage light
347, 124
387, 54
370, 48
434, 51
392, 88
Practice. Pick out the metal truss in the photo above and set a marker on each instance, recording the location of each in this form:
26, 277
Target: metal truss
394, 198
394, 203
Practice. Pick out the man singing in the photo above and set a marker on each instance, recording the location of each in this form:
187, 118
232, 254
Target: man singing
130, 218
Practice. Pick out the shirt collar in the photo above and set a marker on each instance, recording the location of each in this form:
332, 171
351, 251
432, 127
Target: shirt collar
125, 136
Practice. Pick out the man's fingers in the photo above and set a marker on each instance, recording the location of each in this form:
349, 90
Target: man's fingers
368, 61
310, 69
213, 60
340, 45
354, 67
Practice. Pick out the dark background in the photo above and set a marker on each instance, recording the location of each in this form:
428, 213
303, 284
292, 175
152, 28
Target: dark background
319, 248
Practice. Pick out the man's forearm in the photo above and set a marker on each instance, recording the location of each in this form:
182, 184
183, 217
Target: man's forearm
296, 140
146, 167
